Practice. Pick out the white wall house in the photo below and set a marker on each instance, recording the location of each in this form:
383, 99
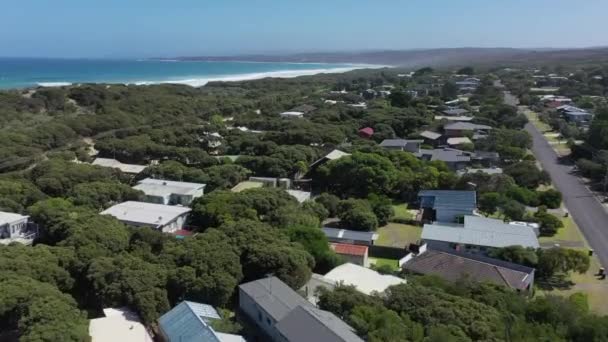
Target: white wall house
166, 218
169, 192
15, 228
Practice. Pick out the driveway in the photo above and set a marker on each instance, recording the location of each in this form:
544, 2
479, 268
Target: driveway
586, 210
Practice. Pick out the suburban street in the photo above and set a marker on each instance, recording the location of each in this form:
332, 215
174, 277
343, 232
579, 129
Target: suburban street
587, 212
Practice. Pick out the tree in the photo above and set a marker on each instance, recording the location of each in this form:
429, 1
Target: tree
100, 195
449, 90
517, 255
513, 210
489, 202
330, 202
40, 312
315, 242
400, 99
561, 260
466, 71
379, 324
551, 198
357, 215
549, 224
526, 174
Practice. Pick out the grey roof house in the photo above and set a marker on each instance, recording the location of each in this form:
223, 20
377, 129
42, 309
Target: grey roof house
285, 316
454, 112
402, 144
457, 129
16, 228
354, 237
453, 265
479, 233
447, 205
454, 158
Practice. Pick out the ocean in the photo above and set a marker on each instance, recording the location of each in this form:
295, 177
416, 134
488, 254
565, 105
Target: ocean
31, 72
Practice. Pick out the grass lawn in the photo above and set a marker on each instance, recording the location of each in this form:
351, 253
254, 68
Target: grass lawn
381, 261
597, 290
569, 233
401, 212
398, 235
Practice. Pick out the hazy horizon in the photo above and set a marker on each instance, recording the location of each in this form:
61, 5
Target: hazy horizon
157, 28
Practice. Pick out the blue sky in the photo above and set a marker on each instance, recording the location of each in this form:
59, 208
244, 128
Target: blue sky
165, 28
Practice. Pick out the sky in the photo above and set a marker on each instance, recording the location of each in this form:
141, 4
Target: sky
171, 28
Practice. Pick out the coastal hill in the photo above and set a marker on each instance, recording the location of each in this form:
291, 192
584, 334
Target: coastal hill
429, 57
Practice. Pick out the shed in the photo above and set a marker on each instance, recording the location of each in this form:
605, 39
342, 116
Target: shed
366, 132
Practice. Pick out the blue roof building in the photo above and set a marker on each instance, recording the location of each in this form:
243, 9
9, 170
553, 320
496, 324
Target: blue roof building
447, 205
189, 322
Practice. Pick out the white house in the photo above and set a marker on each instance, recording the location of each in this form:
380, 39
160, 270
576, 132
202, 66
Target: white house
118, 325
15, 228
363, 279
166, 218
113, 163
169, 192
292, 114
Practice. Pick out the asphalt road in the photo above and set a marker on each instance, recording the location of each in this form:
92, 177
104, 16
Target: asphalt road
586, 210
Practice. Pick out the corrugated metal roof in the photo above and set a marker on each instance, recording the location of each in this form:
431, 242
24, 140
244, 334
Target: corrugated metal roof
345, 234
466, 126
306, 324
448, 199
453, 266
187, 322
274, 296
155, 215
348, 249
481, 231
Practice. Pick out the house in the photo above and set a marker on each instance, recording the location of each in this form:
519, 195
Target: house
453, 118
447, 205
282, 315
353, 237
578, 117
479, 233
455, 142
402, 144
356, 254
487, 171
246, 185
365, 280
454, 112
454, 159
487, 158
431, 138
291, 115
169, 192
115, 164
305, 108
166, 218
333, 155
16, 228
459, 129
299, 195
118, 325
190, 322
453, 266
366, 132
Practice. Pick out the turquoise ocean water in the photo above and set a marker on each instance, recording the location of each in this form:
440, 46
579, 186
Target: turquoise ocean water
28, 72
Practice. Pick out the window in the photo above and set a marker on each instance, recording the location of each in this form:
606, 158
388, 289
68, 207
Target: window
268, 321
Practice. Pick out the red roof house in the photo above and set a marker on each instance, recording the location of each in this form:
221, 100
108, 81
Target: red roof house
355, 254
366, 132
